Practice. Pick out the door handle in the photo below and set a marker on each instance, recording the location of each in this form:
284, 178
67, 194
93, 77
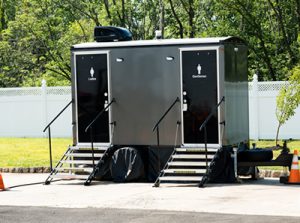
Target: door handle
106, 104
184, 108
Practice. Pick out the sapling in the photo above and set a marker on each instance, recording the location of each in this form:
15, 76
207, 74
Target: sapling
288, 99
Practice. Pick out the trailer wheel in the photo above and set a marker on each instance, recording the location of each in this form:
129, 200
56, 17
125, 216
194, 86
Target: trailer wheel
127, 165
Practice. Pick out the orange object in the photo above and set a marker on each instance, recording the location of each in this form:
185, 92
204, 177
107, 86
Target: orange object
295, 174
1, 183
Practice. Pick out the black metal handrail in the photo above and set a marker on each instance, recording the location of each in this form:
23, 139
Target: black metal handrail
90, 127
211, 114
203, 126
49, 131
58, 165
156, 126
107, 153
101, 161
161, 173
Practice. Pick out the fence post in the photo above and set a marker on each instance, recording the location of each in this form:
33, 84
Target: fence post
44, 104
255, 109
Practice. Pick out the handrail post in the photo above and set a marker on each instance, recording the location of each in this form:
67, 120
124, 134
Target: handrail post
90, 127
156, 126
157, 135
235, 149
158, 152
203, 126
92, 144
157, 181
176, 135
50, 148
49, 131
205, 145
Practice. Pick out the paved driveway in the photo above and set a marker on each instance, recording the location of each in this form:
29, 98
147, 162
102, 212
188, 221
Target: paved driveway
264, 197
15, 214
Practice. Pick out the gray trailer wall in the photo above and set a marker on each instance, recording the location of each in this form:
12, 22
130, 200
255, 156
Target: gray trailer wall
236, 95
144, 85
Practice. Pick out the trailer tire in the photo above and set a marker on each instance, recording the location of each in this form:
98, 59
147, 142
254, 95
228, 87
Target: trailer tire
127, 165
255, 155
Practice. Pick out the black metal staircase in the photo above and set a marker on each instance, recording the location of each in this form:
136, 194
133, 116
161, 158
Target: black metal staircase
190, 165
187, 165
76, 163
80, 162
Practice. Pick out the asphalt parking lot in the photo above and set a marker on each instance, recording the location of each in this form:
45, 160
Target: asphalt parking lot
14, 214
266, 198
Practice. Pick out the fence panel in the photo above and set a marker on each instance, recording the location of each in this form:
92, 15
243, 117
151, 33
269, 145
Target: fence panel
24, 112
262, 108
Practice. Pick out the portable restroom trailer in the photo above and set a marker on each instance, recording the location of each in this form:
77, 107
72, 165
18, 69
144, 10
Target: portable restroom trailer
140, 80
145, 77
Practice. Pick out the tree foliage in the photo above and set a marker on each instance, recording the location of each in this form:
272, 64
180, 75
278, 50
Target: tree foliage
7, 12
288, 99
36, 35
271, 29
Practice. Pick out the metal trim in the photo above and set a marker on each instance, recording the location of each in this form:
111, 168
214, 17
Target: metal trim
219, 94
221, 87
88, 145
159, 42
196, 145
107, 52
182, 49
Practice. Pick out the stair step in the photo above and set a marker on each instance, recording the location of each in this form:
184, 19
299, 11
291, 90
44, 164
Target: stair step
88, 148
181, 178
96, 155
193, 150
177, 163
83, 169
78, 161
185, 171
192, 156
184, 168
70, 176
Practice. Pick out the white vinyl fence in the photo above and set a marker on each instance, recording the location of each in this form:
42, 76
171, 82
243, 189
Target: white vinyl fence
262, 107
24, 112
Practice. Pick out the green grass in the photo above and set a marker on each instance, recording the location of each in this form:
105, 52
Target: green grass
292, 145
34, 152
295, 144
31, 152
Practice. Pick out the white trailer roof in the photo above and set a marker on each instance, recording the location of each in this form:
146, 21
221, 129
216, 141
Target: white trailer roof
212, 40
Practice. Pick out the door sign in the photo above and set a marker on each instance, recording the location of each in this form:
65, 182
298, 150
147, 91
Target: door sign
199, 70
92, 72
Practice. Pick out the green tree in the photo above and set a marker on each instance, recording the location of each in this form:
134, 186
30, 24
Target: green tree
7, 12
288, 99
270, 28
35, 35
36, 44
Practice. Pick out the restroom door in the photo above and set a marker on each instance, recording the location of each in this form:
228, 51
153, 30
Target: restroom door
92, 95
199, 94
